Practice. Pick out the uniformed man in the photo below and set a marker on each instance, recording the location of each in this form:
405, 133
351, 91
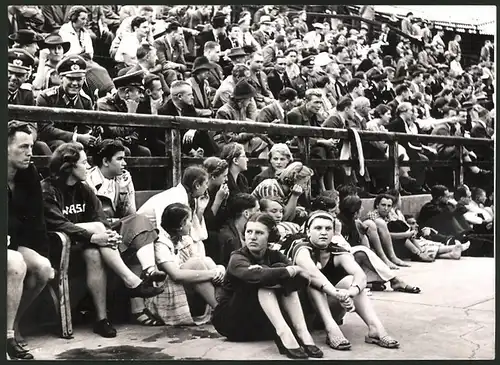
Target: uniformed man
69, 94
130, 90
20, 64
26, 39
301, 83
378, 92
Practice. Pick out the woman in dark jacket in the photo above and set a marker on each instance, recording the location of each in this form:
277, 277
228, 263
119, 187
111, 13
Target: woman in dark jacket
279, 158
257, 281
218, 192
71, 207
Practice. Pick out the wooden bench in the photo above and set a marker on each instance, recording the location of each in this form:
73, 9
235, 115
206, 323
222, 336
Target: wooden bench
59, 288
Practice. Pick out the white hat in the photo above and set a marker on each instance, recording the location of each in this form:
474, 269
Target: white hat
318, 25
322, 59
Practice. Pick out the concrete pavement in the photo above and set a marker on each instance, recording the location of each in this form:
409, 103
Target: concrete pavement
452, 318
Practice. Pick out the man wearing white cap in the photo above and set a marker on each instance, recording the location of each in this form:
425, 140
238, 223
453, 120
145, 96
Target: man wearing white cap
313, 38
262, 35
69, 94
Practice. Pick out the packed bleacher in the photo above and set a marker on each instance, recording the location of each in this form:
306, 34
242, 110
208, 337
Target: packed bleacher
268, 252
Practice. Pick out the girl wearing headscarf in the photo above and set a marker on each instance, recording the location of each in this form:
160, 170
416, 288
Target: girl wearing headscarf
335, 273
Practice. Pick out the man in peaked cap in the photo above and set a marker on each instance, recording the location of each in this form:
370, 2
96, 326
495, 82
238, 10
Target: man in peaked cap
130, 90
19, 67
20, 64
69, 94
262, 35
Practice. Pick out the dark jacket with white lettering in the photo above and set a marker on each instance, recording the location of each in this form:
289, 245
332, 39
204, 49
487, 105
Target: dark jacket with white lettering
66, 205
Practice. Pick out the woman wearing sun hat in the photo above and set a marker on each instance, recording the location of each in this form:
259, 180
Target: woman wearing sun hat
53, 50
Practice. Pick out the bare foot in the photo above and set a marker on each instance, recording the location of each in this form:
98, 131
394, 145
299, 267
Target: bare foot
456, 253
391, 265
400, 262
464, 246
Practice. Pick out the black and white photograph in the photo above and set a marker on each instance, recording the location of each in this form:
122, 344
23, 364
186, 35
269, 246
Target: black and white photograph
251, 182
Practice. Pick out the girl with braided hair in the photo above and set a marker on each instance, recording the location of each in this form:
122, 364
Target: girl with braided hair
188, 270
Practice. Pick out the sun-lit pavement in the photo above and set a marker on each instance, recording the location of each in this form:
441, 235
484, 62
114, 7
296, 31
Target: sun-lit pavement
453, 318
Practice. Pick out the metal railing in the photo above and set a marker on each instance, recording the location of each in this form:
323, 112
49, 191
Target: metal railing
173, 160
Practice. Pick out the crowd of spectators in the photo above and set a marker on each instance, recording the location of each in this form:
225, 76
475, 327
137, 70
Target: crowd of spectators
232, 244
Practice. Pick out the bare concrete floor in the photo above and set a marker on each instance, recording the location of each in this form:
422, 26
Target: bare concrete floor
452, 318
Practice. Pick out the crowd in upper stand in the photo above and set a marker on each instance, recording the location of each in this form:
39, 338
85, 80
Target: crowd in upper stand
231, 241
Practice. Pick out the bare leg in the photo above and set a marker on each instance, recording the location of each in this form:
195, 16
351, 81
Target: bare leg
269, 304
387, 244
146, 256
320, 303
114, 261
96, 280
375, 242
136, 304
450, 252
112, 257
206, 289
16, 272
39, 272
365, 310
291, 304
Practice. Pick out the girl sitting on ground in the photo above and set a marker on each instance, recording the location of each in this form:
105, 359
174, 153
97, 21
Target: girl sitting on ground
259, 290
350, 237
425, 242
188, 270
334, 272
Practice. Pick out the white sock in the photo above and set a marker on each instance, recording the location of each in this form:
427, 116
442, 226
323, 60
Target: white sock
146, 256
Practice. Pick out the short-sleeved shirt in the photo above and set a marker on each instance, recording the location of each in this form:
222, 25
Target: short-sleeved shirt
168, 252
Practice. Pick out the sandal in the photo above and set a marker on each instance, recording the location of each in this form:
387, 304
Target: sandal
408, 289
385, 341
153, 275
146, 318
377, 286
338, 343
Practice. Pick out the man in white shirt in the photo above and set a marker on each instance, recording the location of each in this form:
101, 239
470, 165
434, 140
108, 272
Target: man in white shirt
438, 39
126, 27
313, 38
127, 51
